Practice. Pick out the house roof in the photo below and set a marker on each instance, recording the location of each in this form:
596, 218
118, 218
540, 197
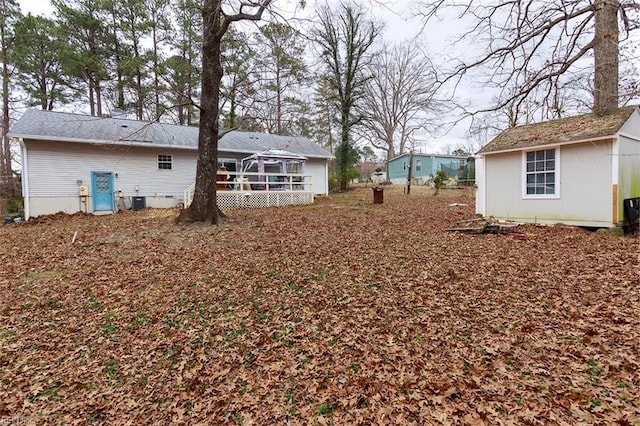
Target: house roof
62, 126
565, 130
276, 154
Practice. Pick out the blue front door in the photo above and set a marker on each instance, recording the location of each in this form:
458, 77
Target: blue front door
102, 188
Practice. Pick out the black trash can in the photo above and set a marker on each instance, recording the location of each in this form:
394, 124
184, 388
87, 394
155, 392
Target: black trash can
631, 208
378, 195
138, 203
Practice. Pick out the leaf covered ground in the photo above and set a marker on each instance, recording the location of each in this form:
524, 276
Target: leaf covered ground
343, 312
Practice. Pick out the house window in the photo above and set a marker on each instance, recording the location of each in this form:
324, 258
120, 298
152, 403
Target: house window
164, 162
540, 173
229, 163
294, 167
418, 165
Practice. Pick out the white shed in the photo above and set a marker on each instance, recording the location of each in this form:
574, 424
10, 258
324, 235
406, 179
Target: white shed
576, 170
78, 163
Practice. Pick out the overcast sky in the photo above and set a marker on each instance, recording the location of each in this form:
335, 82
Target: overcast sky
397, 27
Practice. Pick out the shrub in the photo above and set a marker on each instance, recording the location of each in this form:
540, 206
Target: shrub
439, 180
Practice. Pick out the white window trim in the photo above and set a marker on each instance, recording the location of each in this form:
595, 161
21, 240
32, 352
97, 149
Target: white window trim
170, 162
523, 175
223, 160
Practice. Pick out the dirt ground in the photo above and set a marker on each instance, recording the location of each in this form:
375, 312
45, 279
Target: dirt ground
341, 312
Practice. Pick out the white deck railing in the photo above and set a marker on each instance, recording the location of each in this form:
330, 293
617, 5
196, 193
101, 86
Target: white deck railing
251, 189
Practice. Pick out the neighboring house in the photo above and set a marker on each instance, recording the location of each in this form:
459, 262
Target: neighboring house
73, 163
576, 170
425, 166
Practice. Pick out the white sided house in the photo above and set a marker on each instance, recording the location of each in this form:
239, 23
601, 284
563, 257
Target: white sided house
576, 170
78, 163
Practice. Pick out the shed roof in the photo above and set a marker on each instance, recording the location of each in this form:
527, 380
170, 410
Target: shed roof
564, 130
63, 126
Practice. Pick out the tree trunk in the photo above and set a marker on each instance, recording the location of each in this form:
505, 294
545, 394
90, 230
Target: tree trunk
6, 170
605, 52
232, 112
204, 208
139, 89
118, 62
410, 173
278, 102
42, 86
391, 149
98, 97
156, 79
138, 85
181, 108
387, 166
92, 104
189, 94
343, 150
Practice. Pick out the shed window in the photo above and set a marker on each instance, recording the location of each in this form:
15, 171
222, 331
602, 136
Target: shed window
164, 162
540, 173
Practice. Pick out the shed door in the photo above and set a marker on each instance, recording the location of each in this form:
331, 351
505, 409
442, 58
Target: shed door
102, 186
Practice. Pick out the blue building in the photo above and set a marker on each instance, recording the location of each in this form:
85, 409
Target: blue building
427, 165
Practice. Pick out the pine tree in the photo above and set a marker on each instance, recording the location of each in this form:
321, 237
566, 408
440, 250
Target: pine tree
9, 14
36, 55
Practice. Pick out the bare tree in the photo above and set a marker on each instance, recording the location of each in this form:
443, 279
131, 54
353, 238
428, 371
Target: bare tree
535, 46
216, 22
399, 98
630, 72
344, 38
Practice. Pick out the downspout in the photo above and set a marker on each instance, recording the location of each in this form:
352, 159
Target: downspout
628, 136
480, 183
25, 179
615, 178
303, 171
326, 177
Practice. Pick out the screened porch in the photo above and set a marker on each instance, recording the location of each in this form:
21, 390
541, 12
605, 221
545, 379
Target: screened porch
273, 178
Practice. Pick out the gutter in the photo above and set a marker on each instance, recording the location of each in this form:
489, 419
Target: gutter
138, 144
98, 142
629, 136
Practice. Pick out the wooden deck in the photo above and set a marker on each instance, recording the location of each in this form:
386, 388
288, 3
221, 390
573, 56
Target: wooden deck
256, 190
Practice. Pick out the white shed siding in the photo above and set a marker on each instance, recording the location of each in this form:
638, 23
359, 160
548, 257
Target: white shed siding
632, 126
318, 170
629, 171
480, 185
629, 162
502, 186
584, 185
